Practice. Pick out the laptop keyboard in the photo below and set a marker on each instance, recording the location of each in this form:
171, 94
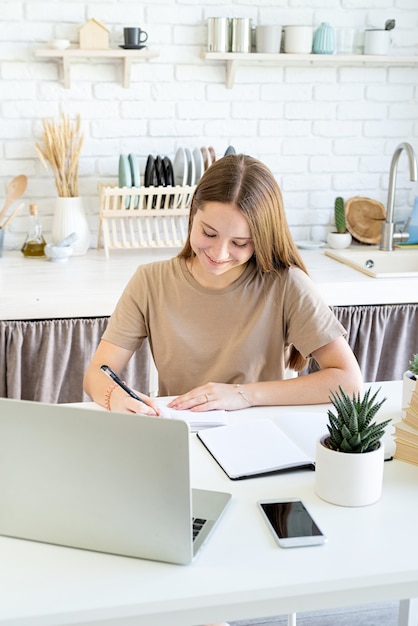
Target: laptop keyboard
198, 524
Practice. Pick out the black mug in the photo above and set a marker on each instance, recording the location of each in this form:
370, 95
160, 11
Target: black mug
134, 36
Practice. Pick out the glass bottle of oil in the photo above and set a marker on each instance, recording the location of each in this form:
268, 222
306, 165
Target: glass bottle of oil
34, 243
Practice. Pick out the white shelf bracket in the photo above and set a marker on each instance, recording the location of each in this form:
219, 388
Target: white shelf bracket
127, 65
231, 70
66, 71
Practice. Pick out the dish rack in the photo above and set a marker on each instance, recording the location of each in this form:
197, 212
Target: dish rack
143, 217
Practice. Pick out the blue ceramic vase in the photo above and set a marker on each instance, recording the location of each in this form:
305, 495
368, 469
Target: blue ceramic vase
324, 39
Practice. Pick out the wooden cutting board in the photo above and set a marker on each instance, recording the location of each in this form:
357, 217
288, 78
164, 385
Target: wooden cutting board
364, 218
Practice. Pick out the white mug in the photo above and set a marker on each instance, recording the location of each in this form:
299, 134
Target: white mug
298, 39
268, 38
377, 41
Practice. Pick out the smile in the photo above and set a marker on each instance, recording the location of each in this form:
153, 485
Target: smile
216, 262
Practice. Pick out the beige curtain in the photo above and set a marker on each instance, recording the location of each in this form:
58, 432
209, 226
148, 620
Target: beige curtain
382, 337
45, 360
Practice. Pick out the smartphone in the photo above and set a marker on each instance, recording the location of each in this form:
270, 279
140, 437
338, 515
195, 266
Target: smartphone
291, 523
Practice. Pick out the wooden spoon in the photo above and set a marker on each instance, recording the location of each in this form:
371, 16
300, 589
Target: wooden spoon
11, 216
15, 189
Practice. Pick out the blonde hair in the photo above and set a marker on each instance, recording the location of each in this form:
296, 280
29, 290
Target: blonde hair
251, 186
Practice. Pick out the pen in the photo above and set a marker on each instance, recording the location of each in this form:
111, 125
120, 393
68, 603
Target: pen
109, 372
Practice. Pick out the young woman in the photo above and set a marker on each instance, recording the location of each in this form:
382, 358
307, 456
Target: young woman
229, 314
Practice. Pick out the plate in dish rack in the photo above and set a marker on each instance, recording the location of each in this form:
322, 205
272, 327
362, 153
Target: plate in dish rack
180, 167
125, 175
191, 167
199, 163
206, 157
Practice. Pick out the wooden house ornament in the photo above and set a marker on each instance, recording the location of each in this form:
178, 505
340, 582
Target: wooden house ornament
93, 36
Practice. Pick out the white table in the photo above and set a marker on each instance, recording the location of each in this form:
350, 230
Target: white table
371, 556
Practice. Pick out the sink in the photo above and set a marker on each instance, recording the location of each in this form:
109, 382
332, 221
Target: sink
379, 263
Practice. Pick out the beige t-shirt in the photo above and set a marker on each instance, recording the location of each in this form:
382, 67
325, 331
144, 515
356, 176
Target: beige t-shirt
234, 335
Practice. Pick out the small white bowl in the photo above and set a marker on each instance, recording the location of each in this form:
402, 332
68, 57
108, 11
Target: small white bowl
58, 254
60, 44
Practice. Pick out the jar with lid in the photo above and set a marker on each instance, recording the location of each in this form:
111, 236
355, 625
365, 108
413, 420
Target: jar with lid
34, 243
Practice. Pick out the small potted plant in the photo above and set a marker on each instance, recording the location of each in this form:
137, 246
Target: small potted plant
341, 238
410, 378
349, 459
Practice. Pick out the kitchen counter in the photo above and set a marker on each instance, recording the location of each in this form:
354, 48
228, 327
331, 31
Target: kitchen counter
90, 285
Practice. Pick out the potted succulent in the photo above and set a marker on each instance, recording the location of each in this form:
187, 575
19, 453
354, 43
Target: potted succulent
341, 238
349, 459
410, 378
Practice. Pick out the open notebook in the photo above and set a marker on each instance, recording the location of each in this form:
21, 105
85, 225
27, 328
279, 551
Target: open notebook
263, 446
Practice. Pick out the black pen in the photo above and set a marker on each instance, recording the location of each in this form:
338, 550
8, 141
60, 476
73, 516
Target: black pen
109, 372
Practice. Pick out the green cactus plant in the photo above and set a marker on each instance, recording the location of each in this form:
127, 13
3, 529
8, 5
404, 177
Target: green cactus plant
339, 212
413, 365
351, 430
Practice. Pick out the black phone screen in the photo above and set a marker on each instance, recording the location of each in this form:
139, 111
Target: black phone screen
290, 519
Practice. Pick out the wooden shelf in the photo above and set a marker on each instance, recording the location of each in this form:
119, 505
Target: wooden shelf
70, 54
234, 59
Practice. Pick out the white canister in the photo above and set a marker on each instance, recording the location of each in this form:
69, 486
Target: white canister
268, 38
298, 39
241, 34
377, 41
219, 39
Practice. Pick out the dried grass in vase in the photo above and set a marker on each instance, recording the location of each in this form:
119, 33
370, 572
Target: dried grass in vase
61, 148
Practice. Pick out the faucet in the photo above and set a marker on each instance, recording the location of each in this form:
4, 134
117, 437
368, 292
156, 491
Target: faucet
388, 226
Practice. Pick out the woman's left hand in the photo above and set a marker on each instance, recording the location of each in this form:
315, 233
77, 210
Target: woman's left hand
212, 396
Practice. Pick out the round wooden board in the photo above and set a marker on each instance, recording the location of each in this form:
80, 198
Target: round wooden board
364, 218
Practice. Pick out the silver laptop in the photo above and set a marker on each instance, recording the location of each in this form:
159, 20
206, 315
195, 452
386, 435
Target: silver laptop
103, 481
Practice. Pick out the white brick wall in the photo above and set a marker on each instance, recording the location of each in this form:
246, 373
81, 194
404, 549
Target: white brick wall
324, 131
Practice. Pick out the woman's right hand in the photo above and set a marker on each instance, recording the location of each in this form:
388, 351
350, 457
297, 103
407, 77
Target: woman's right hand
121, 402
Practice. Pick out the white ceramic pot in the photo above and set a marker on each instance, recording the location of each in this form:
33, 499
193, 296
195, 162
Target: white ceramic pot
268, 38
69, 217
377, 41
348, 479
409, 383
298, 39
338, 241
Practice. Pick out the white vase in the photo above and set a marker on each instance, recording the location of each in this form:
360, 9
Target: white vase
408, 385
69, 217
338, 241
348, 479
